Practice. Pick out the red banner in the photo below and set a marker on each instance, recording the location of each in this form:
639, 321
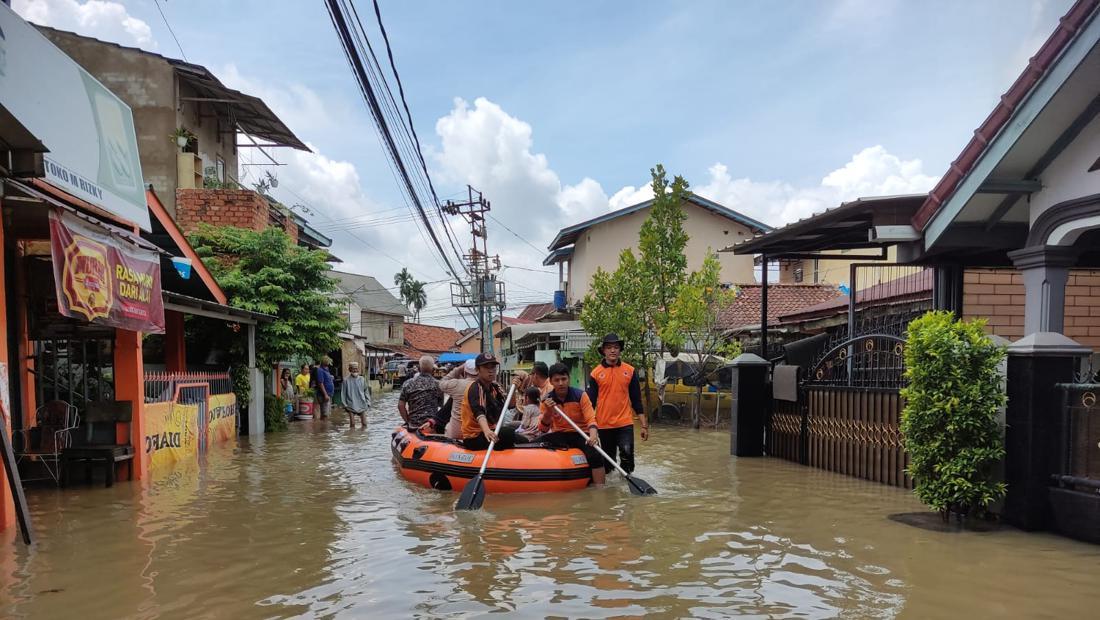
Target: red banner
104, 278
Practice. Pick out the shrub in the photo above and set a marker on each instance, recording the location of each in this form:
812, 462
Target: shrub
275, 414
950, 420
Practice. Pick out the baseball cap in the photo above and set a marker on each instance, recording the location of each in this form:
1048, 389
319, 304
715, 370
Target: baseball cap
486, 359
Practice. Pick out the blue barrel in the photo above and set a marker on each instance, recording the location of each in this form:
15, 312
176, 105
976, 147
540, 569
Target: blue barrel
559, 300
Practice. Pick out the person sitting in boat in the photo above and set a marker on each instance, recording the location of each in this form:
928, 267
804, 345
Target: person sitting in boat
483, 406
574, 403
529, 425
420, 396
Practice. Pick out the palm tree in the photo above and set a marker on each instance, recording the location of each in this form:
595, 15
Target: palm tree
403, 280
417, 297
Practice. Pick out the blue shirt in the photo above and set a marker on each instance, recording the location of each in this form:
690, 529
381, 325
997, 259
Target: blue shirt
325, 378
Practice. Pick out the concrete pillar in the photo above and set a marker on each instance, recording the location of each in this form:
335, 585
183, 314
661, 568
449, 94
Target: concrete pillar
7, 504
749, 406
1045, 271
256, 401
130, 386
1033, 420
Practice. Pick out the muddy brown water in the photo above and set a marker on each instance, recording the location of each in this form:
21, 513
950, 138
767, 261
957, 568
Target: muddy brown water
316, 522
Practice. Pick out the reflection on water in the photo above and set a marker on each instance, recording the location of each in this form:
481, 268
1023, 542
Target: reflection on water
317, 523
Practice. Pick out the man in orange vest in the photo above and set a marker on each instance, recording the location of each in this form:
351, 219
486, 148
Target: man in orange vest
616, 394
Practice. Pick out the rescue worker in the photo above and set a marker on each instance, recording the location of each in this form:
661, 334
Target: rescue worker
616, 393
574, 403
483, 406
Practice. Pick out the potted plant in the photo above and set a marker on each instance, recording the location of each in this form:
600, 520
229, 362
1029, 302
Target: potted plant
305, 404
181, 137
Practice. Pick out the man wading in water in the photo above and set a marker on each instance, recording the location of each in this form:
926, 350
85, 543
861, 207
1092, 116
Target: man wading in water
616, 394
482, 408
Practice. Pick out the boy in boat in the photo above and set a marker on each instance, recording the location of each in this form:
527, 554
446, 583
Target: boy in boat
483, 406
616, 394
574, 403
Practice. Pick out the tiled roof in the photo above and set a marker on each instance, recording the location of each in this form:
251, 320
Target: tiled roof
431, 339
513, 320
913, 287
782, 299
534, 312
1037, 67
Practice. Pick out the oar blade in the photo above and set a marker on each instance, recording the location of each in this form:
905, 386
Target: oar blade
472, 496
639, 486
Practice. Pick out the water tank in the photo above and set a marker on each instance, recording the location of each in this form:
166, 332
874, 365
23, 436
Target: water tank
559, 300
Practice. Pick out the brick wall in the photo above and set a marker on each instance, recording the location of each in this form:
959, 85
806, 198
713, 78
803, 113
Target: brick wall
220, 207
998, 296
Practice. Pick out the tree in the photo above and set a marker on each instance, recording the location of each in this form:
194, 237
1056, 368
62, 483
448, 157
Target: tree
693, 320
634, 300
402, 280
266, 272
949, 424
417, 297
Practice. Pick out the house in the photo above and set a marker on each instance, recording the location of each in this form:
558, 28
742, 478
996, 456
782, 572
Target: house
741, 319
579, 250
470, 340
198, 182
535, 312
1010, 233
375, 318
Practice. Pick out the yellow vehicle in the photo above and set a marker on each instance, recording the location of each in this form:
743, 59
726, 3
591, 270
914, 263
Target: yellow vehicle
679, 393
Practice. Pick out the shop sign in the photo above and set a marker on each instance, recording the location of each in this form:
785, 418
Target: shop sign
93, 152
104, 278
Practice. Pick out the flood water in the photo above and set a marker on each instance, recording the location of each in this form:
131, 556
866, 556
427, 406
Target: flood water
316, 522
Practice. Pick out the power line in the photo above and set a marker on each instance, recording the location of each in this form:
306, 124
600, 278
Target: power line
156, 3
517, 235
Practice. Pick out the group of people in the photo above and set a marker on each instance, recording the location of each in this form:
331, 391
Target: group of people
355, 391
468, 402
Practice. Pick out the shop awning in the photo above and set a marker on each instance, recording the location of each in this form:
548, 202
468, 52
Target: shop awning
452, 358
213, 310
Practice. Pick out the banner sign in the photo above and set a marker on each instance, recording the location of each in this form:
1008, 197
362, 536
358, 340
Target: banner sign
176, 431
104, 279
89, 131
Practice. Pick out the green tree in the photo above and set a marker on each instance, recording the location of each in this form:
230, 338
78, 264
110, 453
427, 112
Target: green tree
949, 424
693, 321
634, 300
266, 272
403, 280
417, 297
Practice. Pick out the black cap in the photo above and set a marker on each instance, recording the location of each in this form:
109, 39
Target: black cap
486, 359
611, 338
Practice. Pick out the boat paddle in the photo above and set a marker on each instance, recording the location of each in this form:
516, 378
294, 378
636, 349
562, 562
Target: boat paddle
637, 485
473, 494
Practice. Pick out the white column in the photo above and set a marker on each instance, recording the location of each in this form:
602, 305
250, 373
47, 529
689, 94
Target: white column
256, 401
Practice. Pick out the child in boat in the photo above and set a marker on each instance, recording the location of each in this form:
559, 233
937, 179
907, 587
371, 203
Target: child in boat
574, 403
529, 424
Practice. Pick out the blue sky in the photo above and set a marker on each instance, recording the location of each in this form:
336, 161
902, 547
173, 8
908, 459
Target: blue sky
557, 110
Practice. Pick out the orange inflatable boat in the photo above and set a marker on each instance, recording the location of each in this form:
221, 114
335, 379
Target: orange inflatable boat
440, 463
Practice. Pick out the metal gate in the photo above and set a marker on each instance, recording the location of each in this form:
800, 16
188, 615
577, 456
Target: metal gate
846, 416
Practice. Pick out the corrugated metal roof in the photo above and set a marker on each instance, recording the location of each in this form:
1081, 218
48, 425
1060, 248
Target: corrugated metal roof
368, 293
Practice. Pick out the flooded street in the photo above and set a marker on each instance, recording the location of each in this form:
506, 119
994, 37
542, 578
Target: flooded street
316, 522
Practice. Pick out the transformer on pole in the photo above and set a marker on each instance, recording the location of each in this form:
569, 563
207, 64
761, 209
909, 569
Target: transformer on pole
483, 291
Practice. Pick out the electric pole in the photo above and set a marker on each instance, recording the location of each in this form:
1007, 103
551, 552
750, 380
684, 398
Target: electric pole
483, 291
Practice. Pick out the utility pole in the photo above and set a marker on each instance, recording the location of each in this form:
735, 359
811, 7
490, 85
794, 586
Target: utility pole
483, 291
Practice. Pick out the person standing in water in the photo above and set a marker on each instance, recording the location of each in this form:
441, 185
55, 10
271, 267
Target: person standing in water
355, 394
616, 393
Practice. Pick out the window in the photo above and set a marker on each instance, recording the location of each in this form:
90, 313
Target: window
221, 170
393, 330
798, 275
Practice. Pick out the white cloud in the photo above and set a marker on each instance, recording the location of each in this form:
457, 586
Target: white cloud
109, 21
874, 171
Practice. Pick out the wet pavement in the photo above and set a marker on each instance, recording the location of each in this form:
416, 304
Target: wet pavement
316, 522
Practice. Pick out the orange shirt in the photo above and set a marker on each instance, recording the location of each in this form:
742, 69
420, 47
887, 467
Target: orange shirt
480, 402
576, 405
616, 394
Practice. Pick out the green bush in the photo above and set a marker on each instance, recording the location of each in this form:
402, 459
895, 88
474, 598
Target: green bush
275, 414
950, 420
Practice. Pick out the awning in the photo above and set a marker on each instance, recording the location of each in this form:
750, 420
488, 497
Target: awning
453, 358
213, 310
840, 228
559, 327
250, 114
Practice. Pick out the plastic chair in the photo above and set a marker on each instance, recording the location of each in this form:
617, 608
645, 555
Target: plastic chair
55, 421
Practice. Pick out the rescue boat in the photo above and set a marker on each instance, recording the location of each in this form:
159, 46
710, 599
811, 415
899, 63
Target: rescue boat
440, 463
